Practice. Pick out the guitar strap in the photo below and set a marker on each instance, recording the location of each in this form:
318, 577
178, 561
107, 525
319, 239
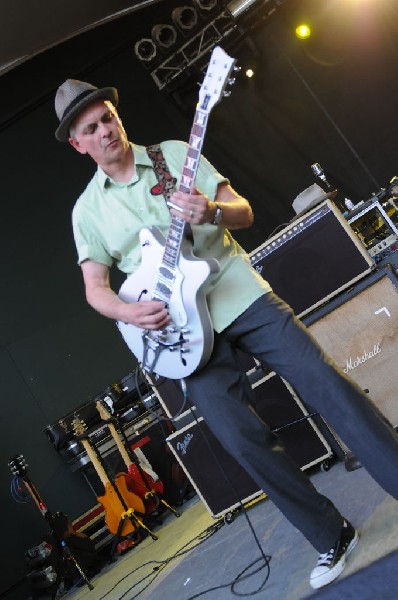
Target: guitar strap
165, 179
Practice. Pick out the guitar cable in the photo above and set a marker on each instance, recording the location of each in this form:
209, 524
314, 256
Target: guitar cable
263, 559
251, 569
158, 566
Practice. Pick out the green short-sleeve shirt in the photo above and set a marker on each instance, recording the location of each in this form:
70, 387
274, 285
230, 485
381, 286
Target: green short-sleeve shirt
109, 215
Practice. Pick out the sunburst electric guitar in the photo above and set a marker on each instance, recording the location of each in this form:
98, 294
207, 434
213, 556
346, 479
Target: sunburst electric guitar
122, 507
170, 272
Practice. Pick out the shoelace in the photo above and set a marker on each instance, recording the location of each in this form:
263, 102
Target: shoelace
325, 559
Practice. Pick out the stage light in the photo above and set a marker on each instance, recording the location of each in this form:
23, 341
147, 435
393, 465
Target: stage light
164, 35
185, 17
249, 72
145, 49
303, 31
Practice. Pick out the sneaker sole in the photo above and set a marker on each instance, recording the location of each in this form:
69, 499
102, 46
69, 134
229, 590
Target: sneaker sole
331, 575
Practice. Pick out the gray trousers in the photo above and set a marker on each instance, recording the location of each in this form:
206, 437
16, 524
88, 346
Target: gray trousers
269, 331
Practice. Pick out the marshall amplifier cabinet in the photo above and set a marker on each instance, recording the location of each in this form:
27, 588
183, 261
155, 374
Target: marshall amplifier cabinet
313, 259
359, 330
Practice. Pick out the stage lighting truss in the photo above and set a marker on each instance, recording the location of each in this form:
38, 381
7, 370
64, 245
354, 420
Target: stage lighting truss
185, 18
164, 35
190, 53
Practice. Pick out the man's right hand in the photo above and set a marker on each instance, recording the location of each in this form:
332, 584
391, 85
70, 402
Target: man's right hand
146, 314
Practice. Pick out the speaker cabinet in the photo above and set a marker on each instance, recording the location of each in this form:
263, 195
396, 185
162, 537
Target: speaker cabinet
219, 480
359, 330
313, 259
278, 405
169, 393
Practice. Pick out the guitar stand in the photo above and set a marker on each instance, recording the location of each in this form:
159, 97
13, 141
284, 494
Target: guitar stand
64, 552
128, 513
151, 493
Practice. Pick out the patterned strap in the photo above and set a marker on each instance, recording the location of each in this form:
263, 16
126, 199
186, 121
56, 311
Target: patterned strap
165, 179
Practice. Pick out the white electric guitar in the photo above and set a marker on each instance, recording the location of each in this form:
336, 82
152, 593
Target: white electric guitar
170, 272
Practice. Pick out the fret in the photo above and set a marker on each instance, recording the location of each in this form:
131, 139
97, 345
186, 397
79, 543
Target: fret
186, 181
201, 118
191, 163
195, 142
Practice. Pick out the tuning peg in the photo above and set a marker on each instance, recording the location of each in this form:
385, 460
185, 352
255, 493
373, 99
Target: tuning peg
226, 94
231, 80
237, 69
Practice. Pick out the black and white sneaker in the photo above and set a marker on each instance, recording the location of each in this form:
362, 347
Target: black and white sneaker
332, 563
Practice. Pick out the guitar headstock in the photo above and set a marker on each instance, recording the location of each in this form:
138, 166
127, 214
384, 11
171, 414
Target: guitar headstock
216, 79
79, 426
18, 465
103, 409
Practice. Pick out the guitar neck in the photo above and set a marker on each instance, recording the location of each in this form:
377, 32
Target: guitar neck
95, 461
178, 225
191, 163
120, 446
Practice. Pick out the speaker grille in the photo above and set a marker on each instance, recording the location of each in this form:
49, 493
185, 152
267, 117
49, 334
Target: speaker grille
361, 336
313, 259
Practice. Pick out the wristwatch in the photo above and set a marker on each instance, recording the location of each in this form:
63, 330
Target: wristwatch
217, 215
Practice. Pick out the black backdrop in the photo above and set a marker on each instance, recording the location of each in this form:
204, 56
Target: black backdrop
331, 100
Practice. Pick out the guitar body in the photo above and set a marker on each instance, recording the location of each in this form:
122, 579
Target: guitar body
135, 483
114, 509
186, 345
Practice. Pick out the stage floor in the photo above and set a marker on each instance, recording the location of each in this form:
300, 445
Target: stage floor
196, 553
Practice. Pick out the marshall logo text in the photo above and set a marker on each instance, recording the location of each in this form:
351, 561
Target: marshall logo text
353, 363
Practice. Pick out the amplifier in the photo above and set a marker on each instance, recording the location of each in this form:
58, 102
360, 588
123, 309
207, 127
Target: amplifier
376, 225
219, 480
122, 398
279, 406
313, 259
359, 330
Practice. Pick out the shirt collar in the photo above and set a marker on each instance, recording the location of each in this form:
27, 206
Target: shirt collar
141, 158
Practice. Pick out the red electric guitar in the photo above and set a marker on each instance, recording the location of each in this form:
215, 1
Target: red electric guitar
123, 508
138, 480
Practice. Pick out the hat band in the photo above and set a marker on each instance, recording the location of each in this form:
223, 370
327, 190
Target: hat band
76, 101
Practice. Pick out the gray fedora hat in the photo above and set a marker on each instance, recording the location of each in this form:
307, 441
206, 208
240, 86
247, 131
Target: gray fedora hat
74, 95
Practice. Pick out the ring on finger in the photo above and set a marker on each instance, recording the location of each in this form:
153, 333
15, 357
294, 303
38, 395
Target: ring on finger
191, 213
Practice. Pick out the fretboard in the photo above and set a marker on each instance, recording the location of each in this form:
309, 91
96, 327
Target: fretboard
165, 276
